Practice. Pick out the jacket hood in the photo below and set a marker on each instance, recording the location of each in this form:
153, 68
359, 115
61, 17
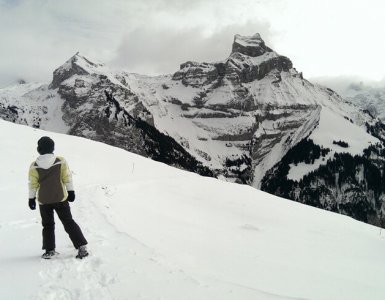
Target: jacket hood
46, 161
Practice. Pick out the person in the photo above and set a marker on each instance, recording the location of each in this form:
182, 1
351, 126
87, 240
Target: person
50, 182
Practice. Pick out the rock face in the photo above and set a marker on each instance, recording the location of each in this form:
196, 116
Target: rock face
94, 112
71, 68
250, 45
242, 119
249, 60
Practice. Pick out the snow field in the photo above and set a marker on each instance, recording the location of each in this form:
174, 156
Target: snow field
156, 232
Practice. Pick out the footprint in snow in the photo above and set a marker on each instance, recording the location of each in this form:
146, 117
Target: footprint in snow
250, 227
86, 277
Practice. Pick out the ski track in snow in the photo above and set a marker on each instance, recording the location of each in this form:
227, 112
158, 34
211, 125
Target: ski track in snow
67, 278
87, 278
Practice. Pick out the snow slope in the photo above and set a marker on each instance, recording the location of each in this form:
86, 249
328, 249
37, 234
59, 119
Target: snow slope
156, 232
332, 127
35, 105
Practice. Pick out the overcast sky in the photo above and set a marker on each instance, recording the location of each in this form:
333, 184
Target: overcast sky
321, 37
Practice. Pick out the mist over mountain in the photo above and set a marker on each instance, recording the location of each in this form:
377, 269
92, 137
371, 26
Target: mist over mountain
366, 94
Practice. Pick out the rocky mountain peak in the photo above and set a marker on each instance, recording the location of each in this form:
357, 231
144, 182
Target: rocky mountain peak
76, 65
250, 45
249, 60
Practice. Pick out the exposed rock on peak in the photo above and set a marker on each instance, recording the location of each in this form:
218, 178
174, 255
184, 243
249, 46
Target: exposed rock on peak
249, 60
76, 65
196, 74
250, 45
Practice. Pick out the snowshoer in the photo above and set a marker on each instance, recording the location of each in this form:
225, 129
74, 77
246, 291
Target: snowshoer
50, 181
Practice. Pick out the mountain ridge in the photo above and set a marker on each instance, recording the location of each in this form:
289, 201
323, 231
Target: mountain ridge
235, 119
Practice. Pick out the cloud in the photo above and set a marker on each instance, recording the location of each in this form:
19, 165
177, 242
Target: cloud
333, 38
341, 84
155, 36
38, 36
161, 51
152, 36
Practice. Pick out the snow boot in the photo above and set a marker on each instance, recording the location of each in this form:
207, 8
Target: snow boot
82, 252
49, 254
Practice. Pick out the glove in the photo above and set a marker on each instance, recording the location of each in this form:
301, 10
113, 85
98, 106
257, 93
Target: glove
32, 203
71, 196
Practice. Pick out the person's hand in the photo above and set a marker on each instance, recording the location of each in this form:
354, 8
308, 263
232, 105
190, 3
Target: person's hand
32, 203
71, 196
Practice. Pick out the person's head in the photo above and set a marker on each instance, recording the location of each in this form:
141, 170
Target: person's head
45, 145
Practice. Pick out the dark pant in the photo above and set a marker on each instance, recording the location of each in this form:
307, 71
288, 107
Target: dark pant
64, 213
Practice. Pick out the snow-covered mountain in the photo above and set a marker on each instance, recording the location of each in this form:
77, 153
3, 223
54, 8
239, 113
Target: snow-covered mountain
236, 119
156, 232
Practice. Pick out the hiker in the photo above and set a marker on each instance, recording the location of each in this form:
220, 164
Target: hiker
50, 181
